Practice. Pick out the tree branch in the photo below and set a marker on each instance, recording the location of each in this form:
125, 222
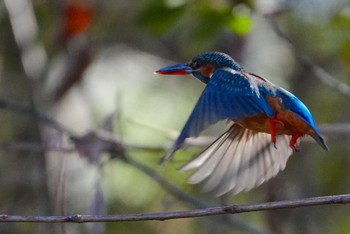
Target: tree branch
233, 221
234, 209
43, 117
34, 147
316, 70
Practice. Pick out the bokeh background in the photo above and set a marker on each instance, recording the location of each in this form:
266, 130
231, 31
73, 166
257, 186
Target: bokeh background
89, 65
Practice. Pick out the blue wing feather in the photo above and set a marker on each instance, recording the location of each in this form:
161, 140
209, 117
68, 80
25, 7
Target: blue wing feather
228, 95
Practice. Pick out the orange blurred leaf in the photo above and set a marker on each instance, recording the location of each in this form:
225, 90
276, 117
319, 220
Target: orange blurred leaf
77, 18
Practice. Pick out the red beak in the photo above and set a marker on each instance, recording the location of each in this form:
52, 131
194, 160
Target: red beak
178, 69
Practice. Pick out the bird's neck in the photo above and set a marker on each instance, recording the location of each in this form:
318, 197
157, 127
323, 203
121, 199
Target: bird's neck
235, 66
204, 74
201, 77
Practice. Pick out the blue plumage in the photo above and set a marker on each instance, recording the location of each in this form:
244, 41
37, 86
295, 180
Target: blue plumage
256, 107
228, 95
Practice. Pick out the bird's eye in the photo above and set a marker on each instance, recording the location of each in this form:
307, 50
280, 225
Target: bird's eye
195, 64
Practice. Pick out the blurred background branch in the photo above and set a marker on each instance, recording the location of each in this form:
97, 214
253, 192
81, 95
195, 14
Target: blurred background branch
307, 62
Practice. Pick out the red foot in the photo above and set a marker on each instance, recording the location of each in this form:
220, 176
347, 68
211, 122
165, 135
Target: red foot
273, 122
293, 141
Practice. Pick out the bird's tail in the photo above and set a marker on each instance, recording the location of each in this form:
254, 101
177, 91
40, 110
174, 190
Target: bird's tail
320, 141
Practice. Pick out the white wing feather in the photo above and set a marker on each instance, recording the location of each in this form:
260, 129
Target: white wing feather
239, 160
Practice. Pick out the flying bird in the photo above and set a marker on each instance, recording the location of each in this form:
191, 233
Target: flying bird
265, 120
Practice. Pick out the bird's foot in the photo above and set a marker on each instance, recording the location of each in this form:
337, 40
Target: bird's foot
273, 122
293, 141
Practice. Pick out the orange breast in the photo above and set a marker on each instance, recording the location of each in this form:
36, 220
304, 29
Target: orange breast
292, 124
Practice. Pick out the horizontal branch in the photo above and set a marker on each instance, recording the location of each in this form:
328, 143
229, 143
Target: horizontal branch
34, 147
233, 221
234, 209
43, 117
331, 131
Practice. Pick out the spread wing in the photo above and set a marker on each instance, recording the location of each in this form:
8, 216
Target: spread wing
239, 160
228, 95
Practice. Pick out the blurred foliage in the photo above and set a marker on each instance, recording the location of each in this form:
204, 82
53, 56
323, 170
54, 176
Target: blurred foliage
127, 40
210, 18
150, 14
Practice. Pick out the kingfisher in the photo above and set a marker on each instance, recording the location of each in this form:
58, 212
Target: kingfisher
265, 124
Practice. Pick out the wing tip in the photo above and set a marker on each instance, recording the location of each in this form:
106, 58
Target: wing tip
169, 155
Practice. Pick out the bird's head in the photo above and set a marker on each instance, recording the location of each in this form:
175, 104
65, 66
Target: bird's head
202, 66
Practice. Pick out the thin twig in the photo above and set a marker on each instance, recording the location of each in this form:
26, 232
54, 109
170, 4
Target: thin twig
190, 200
235, 209
34, 147
333, 131
316, 70
175, 191
336, 130
43, 117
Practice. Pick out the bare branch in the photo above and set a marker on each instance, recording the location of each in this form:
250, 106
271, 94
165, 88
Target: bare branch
234, 209
33, 147
316, 70
235, 222
333, 131
33, 54
175, 191
329, 130
337, 130
43, 117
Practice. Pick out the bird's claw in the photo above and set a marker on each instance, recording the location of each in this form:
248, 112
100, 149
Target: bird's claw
293, 141
273, 122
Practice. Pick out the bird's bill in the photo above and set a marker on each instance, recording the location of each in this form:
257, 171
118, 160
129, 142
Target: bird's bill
178, 69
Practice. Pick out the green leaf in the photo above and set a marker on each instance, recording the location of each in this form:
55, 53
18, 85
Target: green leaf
240, 24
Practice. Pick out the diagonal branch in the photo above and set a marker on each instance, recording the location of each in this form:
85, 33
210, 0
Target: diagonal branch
43, 117
316, 70
234, 209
